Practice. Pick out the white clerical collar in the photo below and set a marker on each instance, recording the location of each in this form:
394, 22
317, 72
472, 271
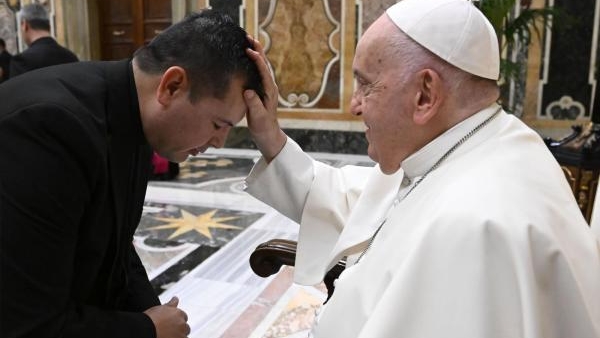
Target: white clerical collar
421, 161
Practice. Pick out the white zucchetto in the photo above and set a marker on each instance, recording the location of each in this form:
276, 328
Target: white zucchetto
454, 30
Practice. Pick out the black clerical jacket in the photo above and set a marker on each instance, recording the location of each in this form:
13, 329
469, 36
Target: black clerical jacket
74, 165
43, 52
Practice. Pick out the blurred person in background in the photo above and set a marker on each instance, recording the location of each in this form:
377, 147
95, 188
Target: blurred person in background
5, 57
43, 50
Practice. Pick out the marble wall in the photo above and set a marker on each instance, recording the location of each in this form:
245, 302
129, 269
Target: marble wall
310, 46
8, 26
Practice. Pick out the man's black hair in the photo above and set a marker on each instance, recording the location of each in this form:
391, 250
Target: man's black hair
211, 48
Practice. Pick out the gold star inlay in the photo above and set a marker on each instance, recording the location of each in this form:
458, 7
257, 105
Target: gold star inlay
220, 163
188, 174
190, 222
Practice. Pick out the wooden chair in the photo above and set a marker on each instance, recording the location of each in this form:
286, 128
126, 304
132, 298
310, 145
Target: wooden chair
269, 256
579, 156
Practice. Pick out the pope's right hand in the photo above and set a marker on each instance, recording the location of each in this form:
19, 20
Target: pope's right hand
262, 116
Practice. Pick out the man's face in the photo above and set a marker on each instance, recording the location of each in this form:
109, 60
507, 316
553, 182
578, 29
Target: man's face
382, 98
191, 128
23, 28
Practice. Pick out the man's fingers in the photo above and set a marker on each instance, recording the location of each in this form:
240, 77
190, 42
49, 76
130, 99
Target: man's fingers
260, 59
263, 68
257, 46
173, 302
253, 101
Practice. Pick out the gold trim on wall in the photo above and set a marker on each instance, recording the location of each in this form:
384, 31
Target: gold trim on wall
310, 51
200, 4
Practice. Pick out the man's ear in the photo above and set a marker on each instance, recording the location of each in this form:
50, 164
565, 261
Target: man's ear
173, 82
427, 98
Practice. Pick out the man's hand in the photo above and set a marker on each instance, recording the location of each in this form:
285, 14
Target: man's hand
169, 321
262, 117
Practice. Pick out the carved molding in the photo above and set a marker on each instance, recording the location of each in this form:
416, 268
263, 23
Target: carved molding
310, 46
565, 109
308, 41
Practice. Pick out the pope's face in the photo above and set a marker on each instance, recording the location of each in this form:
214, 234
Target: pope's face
191, 128
382, 98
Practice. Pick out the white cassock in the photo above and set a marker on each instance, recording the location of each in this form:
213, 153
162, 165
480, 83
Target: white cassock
491, 244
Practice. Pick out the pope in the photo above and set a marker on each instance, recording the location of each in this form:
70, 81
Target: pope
466, 227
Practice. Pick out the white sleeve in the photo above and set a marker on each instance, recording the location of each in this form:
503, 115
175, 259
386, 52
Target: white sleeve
317, 196
284, 183
293, 178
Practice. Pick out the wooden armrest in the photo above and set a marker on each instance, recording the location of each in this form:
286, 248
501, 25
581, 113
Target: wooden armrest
576, 130
269, 256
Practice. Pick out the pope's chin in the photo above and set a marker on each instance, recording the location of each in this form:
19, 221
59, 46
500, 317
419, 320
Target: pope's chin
385, 166
372, 153
387, 169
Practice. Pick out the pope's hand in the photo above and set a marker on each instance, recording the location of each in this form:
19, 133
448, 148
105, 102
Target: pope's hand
262, 116
169, 321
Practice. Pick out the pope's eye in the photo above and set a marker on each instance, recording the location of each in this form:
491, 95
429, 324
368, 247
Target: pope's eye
217, 127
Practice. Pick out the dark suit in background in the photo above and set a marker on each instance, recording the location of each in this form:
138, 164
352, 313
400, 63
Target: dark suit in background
75, 164
5, 65
42, 52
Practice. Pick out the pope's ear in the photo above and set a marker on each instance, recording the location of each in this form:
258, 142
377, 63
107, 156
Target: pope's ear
427, 97
173, 82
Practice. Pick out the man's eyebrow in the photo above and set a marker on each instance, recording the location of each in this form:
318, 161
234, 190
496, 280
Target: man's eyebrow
358, 74
225, 121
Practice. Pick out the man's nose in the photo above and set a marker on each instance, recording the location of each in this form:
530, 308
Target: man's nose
356, 105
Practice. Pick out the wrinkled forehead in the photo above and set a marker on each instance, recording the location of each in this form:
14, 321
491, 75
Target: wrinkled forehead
373, 48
